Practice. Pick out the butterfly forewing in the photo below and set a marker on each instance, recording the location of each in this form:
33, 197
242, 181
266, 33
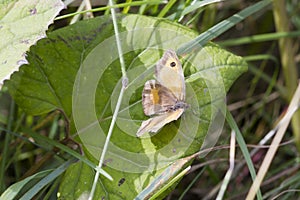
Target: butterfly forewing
169, 73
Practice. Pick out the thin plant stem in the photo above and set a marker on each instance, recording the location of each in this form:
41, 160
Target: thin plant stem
126, 9
282, 126
259, 38
76, 17
243, 146
88, 6
164, 11
287, 55
114, 118
221, 27
231, 167
191, 184
121, 5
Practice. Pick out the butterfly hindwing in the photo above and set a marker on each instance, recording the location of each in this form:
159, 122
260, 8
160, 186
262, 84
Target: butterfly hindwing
153, 124
157, 99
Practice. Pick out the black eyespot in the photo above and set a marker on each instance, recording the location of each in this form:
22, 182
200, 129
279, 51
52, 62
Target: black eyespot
172, 64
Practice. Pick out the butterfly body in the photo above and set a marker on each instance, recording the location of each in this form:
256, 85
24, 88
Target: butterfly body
164, 99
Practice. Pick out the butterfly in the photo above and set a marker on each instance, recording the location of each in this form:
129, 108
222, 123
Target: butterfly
163, 99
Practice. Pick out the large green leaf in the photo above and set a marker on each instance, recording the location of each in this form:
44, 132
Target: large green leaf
22, 23
76, 70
